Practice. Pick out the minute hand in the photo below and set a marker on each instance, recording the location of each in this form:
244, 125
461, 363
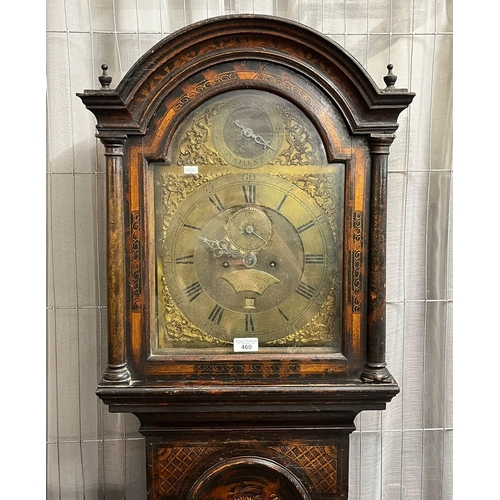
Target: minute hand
248, 132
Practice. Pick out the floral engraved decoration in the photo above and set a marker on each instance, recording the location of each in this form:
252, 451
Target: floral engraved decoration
135, 262
324, 189
356, 264
194, 148
178, 329
176, 188
301, 151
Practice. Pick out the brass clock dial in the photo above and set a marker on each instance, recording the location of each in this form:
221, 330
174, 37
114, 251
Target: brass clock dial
251, 244
237, 266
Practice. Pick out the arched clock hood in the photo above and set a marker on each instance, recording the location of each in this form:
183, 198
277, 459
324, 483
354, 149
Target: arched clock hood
162, 73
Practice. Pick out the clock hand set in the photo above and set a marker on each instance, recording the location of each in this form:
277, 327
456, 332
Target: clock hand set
221, 248
248, 132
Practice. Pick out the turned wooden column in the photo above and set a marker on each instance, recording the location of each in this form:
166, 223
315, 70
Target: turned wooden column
116, 371
375, 369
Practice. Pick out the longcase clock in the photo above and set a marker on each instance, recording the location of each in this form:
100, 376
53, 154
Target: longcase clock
246, 202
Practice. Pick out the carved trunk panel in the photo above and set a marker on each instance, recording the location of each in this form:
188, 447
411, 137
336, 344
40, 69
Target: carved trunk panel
228, 468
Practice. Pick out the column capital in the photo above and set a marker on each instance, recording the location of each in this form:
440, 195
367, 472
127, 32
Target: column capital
380, 143
114, 141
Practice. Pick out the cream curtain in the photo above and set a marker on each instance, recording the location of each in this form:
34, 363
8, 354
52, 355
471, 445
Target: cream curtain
92, 454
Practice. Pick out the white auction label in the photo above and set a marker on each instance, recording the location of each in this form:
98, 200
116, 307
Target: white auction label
190, 169
246, 345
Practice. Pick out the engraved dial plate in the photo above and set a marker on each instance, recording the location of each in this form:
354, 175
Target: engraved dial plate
247, 248
236, 268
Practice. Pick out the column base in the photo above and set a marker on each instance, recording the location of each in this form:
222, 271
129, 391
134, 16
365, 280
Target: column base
376, 373
116, 375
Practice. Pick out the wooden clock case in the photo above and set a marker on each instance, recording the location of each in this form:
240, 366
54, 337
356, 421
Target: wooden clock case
258, 426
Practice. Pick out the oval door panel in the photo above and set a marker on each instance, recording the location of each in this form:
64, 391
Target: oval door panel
248, 478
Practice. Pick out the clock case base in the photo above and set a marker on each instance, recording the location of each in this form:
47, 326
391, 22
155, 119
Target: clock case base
291, 442
292, 464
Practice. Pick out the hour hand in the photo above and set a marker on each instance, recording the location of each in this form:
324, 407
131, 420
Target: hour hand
248, 132
220, 248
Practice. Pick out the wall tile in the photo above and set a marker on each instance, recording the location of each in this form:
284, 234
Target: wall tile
402, 16
59, 123
114, 487
448, 368
371, 466
354, 465
421, 107
411, 461
442, 104
62, 213
379, 16
53, 490
391, 465
357, 46
71, 471
92, 470
437, 235
89, 375
413, 365
392, 416
78, 15
447, 493
86, 240
68, 374
56, 15
416, 220
135, 468
396, 213
424, 16
434, 357
52, 431
444, 16
102, 15
378, 58
333, 18
432, 472
356, 16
